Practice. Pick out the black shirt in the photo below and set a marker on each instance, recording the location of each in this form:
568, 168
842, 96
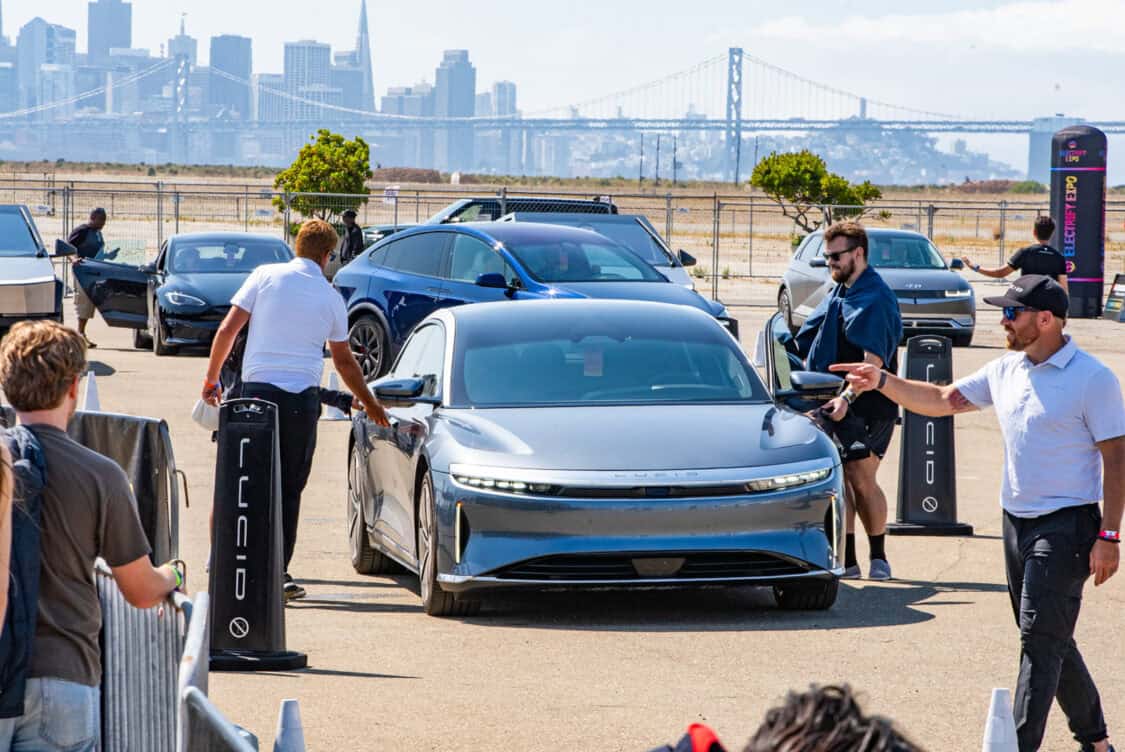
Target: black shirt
1039, 259
353, 243
87, 240
873, 405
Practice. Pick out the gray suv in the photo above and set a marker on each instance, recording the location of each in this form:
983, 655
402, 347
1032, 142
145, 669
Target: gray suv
933, 298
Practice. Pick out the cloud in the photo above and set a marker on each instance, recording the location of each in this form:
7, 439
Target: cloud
1089, 25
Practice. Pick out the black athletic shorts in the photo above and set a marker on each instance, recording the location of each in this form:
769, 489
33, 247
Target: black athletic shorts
860, 436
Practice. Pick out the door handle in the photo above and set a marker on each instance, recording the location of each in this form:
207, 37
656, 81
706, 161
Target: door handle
435, 291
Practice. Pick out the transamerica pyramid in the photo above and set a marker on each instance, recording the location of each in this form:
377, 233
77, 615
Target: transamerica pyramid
363, 59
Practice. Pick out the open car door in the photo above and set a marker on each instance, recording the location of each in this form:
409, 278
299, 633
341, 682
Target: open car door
118, 291
788, 383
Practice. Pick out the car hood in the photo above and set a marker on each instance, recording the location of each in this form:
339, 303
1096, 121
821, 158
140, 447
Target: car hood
655, 292
22, 270
923, 279
607, 437
216, 288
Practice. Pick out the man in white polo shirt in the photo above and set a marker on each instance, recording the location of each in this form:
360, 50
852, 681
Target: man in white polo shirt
292, 311
1047, 393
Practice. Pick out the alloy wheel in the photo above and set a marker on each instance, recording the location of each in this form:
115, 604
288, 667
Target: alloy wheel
366, 342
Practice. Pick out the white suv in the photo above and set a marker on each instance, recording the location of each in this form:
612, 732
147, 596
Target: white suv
29, 288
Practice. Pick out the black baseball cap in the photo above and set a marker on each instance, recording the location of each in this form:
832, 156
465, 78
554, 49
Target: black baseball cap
348, 213
1036, 291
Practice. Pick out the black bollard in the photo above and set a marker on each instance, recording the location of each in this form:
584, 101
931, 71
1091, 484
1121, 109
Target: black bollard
247, 609
927, 483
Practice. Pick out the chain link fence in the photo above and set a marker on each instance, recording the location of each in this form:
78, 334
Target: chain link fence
742, 243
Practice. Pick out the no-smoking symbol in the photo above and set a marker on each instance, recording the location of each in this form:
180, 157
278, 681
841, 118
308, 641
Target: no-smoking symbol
239, 627
929, 504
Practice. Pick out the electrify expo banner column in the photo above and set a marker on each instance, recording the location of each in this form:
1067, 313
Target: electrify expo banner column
1078, 160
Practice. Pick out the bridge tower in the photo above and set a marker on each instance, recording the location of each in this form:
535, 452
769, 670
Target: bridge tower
178, 132
733, 140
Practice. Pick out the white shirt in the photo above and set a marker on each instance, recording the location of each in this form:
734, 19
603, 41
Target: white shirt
293, 311
1051, 415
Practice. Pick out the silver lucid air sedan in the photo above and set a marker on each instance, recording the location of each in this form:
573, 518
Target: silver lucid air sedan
933, 297
591, 443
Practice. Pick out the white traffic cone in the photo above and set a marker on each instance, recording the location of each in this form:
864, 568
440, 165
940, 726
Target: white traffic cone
290, 735
331, 412
90, 402
1000, 729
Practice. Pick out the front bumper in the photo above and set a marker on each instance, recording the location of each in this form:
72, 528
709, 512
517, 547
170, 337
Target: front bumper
191, 330
491, 539
6, 322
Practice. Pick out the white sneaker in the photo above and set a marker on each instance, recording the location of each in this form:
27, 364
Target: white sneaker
880, 570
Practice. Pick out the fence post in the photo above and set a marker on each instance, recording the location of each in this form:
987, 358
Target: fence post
159, 214
285, 215
931, 210
918, 226
750, 246
503, 200
716, 218
1003, 229
668, 218
417, 205
395, 197
176, 209
245, 208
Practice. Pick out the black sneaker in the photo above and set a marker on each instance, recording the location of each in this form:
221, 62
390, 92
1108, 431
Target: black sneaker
291, 589
1090, 748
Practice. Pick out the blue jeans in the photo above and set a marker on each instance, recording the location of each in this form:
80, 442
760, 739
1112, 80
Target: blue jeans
58, 716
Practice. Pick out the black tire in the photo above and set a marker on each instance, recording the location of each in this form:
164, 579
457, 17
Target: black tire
158, 345
365, 558
142, 340
963, 339
368, 342
817, 595
785, 308
435, 601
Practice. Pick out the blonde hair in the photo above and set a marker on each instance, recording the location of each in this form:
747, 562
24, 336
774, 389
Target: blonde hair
316, 239
39, 360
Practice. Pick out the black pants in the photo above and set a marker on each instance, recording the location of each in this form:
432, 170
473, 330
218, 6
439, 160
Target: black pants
1048, 562
297, 415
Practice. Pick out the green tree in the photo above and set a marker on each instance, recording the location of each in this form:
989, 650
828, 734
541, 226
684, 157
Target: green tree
330, 164
806, 191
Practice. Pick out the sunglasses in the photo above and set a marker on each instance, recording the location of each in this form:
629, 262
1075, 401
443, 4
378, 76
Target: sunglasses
1011, 312
838, 254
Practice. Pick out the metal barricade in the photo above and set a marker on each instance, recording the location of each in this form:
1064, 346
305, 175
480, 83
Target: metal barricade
140, 652
207, 730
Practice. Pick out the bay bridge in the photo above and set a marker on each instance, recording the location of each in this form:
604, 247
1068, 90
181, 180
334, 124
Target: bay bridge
732, 96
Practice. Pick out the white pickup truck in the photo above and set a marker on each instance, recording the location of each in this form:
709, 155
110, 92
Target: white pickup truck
29, 288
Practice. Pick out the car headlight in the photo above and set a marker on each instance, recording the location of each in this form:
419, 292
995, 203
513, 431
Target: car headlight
958, 293
502, 485
788, 481
177, 298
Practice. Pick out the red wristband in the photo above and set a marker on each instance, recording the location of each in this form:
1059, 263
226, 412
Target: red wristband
1113, 536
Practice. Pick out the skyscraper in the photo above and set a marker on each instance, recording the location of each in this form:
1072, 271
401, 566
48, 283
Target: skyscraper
503, 98
308, 75
110, 25
41, 43
455, 86
363, 60
183, 45
231, 68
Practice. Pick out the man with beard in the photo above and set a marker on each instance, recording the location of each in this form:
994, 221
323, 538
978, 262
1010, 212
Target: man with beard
1048, 394
858, 321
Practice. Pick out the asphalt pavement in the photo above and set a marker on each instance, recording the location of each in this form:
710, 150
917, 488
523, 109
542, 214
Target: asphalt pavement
626, 671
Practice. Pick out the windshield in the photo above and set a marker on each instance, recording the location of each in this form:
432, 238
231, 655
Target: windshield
212, 257
15, 236
629, 234
582, 261
591, 361
904, 252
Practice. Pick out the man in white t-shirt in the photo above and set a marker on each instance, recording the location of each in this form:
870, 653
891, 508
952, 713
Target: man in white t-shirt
292, 311
1062, 420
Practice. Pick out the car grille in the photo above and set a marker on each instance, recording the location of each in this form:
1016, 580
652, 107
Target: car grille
927, 324
27, 299
651, 492
921, 294
603, 567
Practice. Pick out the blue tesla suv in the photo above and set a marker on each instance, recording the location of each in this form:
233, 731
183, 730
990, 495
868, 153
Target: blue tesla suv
403, 278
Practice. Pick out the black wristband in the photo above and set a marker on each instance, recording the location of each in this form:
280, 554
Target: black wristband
882, 380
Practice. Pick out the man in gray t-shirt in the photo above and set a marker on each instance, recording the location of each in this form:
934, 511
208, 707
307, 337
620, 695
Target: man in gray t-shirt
1047, 393
88, 511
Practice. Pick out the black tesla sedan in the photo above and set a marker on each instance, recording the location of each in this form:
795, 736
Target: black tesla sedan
180, 298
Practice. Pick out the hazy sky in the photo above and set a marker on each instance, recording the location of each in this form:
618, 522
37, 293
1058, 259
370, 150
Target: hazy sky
985, 58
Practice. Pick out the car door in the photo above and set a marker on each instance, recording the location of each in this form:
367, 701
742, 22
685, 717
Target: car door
411, 280
399, 447
468, 259
806, 280
118, 291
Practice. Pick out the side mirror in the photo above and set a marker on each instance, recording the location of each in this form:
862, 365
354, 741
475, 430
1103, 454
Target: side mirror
493, 279
819, 263
812, 385
404, 392
685, 258
63, 248
956, 264
149, 268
